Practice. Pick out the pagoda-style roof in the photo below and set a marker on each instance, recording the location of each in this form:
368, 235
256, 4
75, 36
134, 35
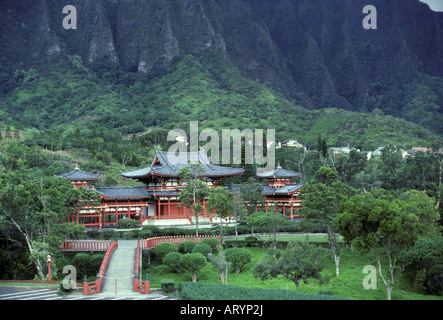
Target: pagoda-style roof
285, 190
78, 175
123, 192
278, 173
269, 190
168, 164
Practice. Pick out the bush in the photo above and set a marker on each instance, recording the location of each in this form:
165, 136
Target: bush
162, 249
96, 262
168, 285
207, 291
93, 234
82, 263
202, 248
130, 235
423, 264
238, 257
128, 224
108, 234
172, 260
193, 262
88, 264
146, 234
212, 242
186, 246
156, 231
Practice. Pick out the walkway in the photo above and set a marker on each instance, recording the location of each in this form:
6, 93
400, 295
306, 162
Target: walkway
119, 275
45, 293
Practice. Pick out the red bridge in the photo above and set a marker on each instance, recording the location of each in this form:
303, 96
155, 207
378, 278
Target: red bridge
108, 246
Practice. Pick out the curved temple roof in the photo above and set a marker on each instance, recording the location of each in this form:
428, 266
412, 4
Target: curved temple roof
278, 173
78, 175
169, 164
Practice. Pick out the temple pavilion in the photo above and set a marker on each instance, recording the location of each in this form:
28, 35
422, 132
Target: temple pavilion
155, 200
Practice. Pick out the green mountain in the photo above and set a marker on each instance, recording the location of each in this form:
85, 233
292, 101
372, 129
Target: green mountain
301, 67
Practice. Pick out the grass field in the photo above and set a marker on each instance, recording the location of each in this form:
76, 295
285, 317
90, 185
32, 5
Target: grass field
348, 284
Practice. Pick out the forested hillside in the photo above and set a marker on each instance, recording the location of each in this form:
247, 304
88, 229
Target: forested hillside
104, 97
135, 65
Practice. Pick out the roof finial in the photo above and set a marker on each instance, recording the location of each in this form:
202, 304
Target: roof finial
77, 167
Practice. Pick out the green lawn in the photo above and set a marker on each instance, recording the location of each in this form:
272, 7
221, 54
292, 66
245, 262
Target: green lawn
348, 284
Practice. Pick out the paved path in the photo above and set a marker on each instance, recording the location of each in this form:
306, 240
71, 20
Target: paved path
119, 275
50, 294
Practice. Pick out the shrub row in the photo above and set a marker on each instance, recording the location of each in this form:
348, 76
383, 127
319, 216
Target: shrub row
208, 291
205, 247
154, 231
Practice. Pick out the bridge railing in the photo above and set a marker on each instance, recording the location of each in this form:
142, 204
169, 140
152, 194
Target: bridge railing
95, 286
85, 245
139, 285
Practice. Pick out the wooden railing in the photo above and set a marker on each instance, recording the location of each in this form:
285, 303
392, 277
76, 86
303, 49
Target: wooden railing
95, 286
85, 245
139, 285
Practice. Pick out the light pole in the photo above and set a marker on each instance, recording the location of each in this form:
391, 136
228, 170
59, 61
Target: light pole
49, 260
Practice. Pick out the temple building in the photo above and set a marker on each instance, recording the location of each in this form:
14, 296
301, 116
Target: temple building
155, 201
79, 178
281, 194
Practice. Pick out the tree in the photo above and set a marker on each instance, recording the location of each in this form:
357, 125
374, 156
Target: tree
186, 246
172, 260
321, 204
62, 231
202, 248
391, 163
322, 146
195, 191
221, 263
162, 249
268, 222
423, 263
300, 261
351, 165
386, 225
32, 205
237, 209
193, 262
238, 257
219, 203
252, 193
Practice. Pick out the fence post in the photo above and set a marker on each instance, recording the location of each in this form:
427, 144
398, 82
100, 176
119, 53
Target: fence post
85, 285
147, 285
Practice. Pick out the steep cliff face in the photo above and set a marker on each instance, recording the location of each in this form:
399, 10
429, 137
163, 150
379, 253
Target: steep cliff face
315, 52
